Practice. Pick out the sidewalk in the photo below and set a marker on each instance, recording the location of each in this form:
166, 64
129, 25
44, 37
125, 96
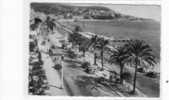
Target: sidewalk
53, 77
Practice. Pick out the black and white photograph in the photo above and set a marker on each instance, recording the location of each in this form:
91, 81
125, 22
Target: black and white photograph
94, 49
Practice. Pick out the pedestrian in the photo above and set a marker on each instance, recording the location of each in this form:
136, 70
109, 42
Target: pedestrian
50, 52
62, 57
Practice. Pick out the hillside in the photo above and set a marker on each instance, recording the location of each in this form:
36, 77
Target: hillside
86, 12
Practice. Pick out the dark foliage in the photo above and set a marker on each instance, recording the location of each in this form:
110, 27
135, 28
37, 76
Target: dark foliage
126, 76
64, 10
85, 65
37, 78
57, 67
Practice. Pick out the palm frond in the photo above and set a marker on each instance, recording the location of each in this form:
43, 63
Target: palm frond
142, 51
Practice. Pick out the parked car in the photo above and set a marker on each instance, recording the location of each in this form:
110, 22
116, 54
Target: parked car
141, 70
151, 74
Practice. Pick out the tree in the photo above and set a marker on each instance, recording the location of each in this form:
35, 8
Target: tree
75, 39
139, 53
119, 56
50, 23
94, 42
101, 44
36, 23
77, 29
84, 46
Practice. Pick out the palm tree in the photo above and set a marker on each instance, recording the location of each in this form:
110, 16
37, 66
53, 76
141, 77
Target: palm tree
94, 42
75, 38
101, 44
84, 45
139, 53
50, 23
77, 29
119, 56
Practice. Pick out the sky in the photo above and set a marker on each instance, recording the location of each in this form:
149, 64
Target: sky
150, 11
143, 11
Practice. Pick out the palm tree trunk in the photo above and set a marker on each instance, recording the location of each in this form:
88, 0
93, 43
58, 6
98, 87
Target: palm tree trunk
84, 53
95, 59
121, 72
62, 72
135, 76
78, 47
102, 58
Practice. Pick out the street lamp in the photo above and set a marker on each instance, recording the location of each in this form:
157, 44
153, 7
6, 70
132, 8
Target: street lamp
62, 58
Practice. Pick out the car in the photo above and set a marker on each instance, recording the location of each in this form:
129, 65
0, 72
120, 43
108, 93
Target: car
151, 74
141, 70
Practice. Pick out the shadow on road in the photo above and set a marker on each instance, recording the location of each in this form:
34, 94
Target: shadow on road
87, 84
